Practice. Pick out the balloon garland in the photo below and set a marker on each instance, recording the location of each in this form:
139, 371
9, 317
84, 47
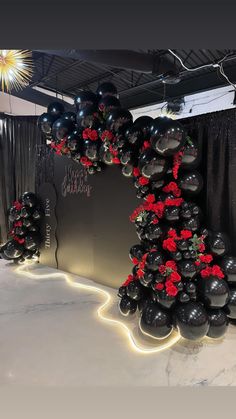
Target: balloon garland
24, 238
178, 279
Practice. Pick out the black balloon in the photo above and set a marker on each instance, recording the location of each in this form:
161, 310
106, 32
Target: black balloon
13, 250
155, 321
29, 199
134, 136
167, 136
147, 278
213, 291
27, 222
45, 123
126, 155
187, 269
191, 183
14, 214
70, 115
127, 306
106, 89
153, 232
137, 251
134, 290
144, 124
107, 103
154, 260
85, 99
218, 323
25, 212
190, 157
192, 224
122, 291
218, 243
127, 170
228, 265
192, 320
171, 214
32, 241
151, 165
119, 120
56, 109
61, 128
20, 231
91, 149
231, 306
165, 300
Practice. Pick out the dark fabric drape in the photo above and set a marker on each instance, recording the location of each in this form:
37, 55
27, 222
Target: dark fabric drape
216, 135
20, 141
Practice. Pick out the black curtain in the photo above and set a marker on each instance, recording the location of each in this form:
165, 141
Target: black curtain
216, 135
20, 142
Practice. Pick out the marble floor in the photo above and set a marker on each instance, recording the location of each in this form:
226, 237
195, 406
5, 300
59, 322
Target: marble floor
51, 335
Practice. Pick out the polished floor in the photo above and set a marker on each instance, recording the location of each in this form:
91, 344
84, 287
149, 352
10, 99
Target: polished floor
55, 332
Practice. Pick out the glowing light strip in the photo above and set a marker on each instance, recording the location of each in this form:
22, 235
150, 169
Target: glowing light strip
21, 270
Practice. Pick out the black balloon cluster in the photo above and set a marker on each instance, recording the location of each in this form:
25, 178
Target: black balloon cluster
182, 277
24, 237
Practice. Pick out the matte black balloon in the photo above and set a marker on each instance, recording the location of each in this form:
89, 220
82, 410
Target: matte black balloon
144, 123
56, 109
85, 99
108, 103
228, 265
218, 323
154, 260
191, 155
151, 165
192, 320
187, 269
218, 243
106, 89
153, 232
70, 115
167, 137
13, 250
134, 290
155, 321
32, 241
127, 306
171, 214
62, 128
213, 291
165, 300
29, 199
14, 214
45, 123
119, 120
25, 212
231, 305
191, 183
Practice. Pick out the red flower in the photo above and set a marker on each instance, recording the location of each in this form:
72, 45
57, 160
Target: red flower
206, 258
197, 263
216, 271
186, 234
107, 136
155, 221
201, 247
171, 264
158, 208
175, 277
172, 291
205, 273
146, 144
128, 280
169, 244
172, 233
86, 133
136, 172
17, 205
140, 273
159, 286
135, 261
93, 135
150, 198
172, 187
18, 224
177, 162
116, 160
162, 269
143, 181
85, 161
174, 202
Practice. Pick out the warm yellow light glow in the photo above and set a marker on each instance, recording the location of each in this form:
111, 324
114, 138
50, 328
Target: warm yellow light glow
167, 113
102, 310
15, 68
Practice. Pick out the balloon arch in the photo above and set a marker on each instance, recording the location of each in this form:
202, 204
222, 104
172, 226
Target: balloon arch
181, 278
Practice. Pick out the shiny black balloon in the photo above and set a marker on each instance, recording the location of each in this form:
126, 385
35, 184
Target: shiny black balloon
27, 222
45, 123
13, 250
167, 137
28, 254
151, 165
14, 214
74, 142
127, 306
122, 291
213, 291
144, 124
155, 321
137, 251
187, 269
192, 320
25, 212
228, 265
191, 183
177, 256
193, 224
230, 309
119, 120
134, 290
134, 136
126, 155
106, 89
32, 241
108, 103
154, 260
153, 232
105, 155
91, 149
183, 297
29, 199
87, 118
185, 214
127, 170
62, 128
147, 278
218, 243
70, 115
20, 231
157, 184
165, 300
56, 109
191, 155
171, 214
182, 245
143, 303
218, 323
85, 99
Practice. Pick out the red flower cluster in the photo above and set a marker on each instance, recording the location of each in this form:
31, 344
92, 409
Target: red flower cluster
174, 202
170, 243
129, 279
143, 181
85, 161
206, 258
136, 172
146, 145
176, 163
214, 270
107, 136
90, 134
60, 148
17, 205
169, 270
172, 187
18, 240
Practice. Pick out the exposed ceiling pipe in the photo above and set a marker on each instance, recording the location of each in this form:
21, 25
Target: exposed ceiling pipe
125, 59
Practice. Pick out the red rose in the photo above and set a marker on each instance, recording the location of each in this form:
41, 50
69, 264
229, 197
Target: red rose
106, 135
205, 273
172, 291
93, 135
175, 277
186, 234
143, 181
171, 264
159, 286
155, 221
216, 271
136, 171
206, 258
150, 198
174, 202
85, 161
128, 280
135, 261
146, 144
140, 273
162, 269
201, 247
116, 160
172, 187
86, 133
172, 233
169, 244
197, 263
158, 208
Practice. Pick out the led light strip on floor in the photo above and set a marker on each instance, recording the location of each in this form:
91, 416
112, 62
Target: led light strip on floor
102, 310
